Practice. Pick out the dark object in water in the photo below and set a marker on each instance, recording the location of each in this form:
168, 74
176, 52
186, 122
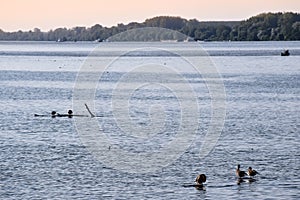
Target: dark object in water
240, 173
252, 172
201, 178
55, 114
92, 115
60, 115
285, 53
70, 114
88, 109
38, 115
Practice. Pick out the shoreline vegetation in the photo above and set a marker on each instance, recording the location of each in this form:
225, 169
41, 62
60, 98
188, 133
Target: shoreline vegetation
262, 27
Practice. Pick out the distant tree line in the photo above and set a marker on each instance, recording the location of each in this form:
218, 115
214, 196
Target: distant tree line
263, 27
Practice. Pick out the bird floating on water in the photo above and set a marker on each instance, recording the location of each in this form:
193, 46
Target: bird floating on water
200, 179
240, 173
252, 172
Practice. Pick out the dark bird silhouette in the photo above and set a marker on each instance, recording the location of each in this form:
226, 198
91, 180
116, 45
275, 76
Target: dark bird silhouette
200, 179
252, 172
240, 173
285, 53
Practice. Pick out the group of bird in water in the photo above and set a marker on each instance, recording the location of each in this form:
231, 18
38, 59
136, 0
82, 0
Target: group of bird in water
251, 172
201, 178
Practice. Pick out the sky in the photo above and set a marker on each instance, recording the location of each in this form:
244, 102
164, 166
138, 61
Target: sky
51, 14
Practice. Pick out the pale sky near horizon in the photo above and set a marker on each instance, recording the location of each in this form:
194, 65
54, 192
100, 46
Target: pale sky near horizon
45, 14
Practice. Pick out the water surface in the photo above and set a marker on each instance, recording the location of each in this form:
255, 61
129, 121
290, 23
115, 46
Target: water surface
44, 157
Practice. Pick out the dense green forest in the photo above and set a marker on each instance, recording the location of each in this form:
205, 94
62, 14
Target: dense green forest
263, 27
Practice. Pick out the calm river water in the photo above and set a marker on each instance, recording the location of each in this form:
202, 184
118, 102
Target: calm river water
50, 158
